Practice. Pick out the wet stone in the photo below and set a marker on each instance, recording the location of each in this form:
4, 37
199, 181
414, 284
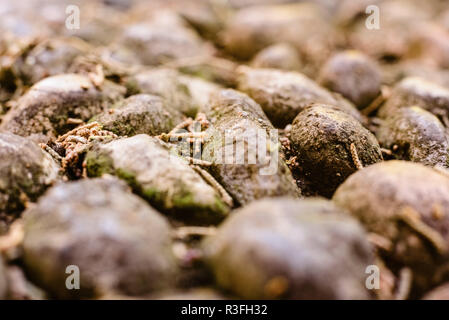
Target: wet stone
330, 145
118, 242
290, 249
25, 172
415, 134
246, 172
160, 176
141, 113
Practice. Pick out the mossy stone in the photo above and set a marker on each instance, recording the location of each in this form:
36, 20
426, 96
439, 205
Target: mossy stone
160, 176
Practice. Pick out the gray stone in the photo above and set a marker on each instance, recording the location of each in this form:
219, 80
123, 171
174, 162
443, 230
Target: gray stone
141, 113
43, 111
25, 172
291, 249
415, 134
247, 172
117, 241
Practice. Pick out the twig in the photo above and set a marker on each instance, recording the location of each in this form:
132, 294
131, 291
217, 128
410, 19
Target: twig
355, 157
166, 136
386, 151
74, 121
182, 125
385, 93
404, 284
211, 180
52, 152
380, 242
409, 216
197, 161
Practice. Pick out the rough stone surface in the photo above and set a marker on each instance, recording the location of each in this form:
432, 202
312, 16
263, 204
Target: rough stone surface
159, 176
408, 204
282, 95
51, 57
166, 83
321, 138
25, 172
415, 91
247, 173
141, 113
201, 91
293, 249
117, 241
415, 134
43, 111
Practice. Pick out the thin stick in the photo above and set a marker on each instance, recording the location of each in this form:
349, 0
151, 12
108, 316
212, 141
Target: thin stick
74, 121
405, 284
412, 219
211, 180
184, 135
386, 151
385, 93
380, 242
52, 152
355, 157
181, 125
198, 161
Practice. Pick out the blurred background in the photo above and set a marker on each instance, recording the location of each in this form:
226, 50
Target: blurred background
154, 32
